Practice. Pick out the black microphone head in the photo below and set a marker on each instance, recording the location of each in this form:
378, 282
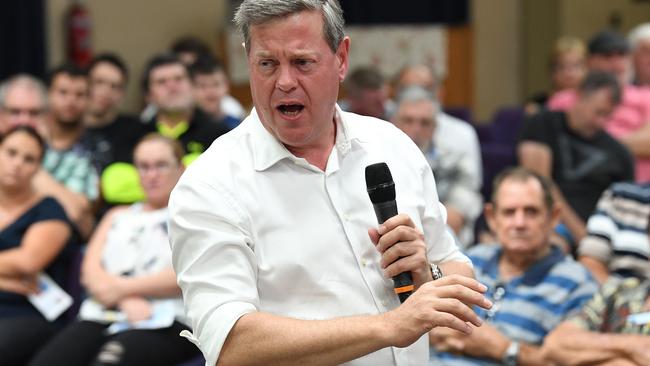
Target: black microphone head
379, 183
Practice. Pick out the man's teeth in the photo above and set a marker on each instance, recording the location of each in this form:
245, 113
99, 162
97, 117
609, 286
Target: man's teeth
290, 110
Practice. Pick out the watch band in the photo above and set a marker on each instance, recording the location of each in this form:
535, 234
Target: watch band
511, 355
436, 273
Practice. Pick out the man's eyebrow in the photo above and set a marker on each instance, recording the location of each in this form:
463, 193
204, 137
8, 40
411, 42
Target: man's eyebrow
295, 54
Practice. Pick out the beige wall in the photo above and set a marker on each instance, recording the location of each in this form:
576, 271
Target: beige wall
540, 29
583, 17
497, 55
138, 29
512, 38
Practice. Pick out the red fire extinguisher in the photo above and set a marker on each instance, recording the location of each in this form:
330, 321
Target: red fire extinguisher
79, 34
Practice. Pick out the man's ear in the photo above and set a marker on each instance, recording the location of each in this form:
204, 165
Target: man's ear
488, 211
556, 210
342, 54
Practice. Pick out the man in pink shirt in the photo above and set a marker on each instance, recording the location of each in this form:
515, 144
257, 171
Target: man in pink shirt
609, 51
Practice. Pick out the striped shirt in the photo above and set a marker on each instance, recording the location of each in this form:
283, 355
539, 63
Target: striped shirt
617, 231
529, 306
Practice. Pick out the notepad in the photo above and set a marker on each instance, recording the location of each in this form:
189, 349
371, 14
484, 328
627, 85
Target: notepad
51, 301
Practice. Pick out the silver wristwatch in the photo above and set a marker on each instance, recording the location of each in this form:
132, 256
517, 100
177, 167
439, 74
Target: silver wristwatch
436, 273
512, 352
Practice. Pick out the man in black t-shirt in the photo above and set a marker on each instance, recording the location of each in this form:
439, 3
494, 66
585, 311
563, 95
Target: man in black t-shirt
574, 150
110, 136
167, 85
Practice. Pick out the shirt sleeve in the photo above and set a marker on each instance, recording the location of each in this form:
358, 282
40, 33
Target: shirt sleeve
214, 261
50, 209
441, 245
601, 228
583, 293
464, 194
537, 128
595, 312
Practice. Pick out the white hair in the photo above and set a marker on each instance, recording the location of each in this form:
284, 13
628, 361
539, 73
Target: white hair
26, 81
640, 33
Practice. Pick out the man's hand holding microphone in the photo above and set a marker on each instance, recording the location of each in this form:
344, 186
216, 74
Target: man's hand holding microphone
426, 303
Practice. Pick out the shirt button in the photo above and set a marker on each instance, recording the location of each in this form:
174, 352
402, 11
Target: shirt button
364, 262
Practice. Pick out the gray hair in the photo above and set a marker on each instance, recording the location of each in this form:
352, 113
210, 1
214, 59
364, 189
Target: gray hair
412, 94
26, 81
640, 33
256, 12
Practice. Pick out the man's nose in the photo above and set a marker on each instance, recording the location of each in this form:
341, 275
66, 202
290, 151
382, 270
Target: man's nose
519, 218
286, 79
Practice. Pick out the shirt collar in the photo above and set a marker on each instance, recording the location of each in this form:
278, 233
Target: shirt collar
267, 150
535, 274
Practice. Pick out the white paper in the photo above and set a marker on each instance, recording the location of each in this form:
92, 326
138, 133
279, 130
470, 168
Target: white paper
51, 301
162, 317
639, 318
94, 311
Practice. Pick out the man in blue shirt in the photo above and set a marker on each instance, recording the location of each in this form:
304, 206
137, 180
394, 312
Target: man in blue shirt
531, 282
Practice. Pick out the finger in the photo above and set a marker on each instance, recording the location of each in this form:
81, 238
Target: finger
461, 280
456, 344
463, 294
445, 319
459, 310
17, 287
395, 221
396, 235
413, 263
374, 235
415, 252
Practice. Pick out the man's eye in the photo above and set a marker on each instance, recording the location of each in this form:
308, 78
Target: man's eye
266, 64
304, 64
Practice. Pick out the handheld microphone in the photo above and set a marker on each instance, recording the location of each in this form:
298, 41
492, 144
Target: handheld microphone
381, 190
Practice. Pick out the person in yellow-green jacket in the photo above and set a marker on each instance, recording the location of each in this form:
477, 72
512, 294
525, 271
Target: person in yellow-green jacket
167, 85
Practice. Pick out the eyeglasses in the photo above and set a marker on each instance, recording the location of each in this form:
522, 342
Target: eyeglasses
160, 167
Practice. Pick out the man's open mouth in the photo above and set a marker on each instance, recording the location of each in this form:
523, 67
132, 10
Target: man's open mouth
290, 109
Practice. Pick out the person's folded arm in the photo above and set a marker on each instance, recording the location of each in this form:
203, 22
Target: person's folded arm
40, 244
76, 205
569, 344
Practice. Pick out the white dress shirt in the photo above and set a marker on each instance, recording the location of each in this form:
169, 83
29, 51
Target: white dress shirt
458, 150
254, 228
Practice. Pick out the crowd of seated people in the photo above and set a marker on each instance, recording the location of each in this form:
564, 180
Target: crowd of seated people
572, 218
78, 173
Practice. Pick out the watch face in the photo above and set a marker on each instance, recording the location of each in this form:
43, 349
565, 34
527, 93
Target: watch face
512, 352
435, 272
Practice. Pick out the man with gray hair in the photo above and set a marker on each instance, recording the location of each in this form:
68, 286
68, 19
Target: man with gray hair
452, 165
639, 39
274, 240
23, 101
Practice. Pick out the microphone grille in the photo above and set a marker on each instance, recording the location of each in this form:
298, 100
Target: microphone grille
379, 183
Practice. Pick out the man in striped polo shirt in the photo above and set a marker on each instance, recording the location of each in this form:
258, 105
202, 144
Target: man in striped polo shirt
531, 282
616, 241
